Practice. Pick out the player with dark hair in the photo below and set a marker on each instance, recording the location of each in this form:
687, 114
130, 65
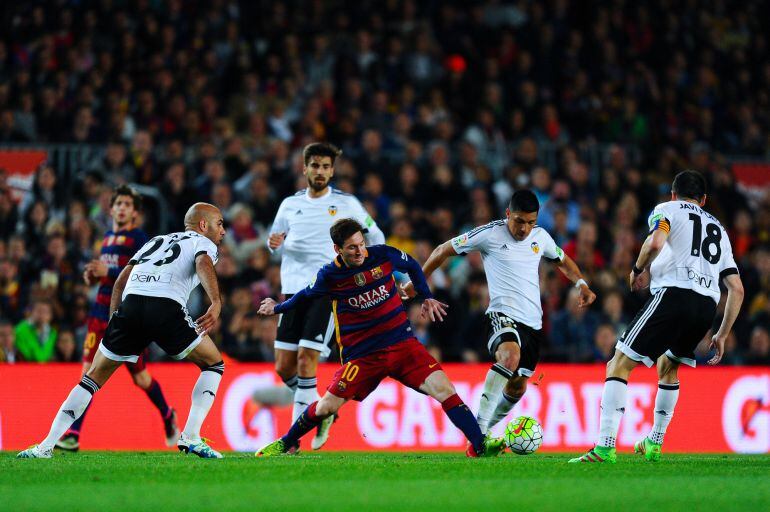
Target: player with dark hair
685, 257
301, 232
375, 336
511, 250
149, 304
118, 245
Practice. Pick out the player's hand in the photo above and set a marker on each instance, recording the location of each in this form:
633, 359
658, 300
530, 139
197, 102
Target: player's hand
207, 321
718, 344
267, 307
406, 291
88, 277
639, 281
97, 268
275, 240
433, 309
587, 297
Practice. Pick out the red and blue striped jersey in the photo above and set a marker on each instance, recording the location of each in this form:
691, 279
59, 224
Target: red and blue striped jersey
117, 250
368, 312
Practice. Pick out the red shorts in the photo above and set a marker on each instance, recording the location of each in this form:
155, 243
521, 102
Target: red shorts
407, 362
96, 329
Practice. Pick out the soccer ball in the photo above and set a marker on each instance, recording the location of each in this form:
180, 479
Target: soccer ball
524, 435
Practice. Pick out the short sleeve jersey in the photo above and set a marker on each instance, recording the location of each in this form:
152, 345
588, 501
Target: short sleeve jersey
512, 268
697, 253
165, 266
306, 222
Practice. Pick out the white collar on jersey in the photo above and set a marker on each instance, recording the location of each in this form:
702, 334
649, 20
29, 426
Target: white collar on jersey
307, 194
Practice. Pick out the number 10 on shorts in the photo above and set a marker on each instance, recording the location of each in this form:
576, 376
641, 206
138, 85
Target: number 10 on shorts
350, 372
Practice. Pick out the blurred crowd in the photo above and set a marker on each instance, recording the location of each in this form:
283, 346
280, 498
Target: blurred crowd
443, 109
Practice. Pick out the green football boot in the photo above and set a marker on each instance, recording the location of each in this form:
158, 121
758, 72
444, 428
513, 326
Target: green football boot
493, 446
650, 450
277, 447
597, 454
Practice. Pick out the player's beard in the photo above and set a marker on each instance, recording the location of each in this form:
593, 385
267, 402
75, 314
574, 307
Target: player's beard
318, 185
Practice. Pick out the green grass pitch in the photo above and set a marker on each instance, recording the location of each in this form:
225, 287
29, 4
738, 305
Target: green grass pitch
338, 482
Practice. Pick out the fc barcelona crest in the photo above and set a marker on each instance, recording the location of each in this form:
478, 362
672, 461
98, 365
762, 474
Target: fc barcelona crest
360, 279
376, 273
332, 210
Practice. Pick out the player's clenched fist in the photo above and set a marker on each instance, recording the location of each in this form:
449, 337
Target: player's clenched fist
276, 240
267, 307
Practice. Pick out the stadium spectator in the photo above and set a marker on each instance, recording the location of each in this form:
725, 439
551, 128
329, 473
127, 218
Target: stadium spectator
35, 336
7, 342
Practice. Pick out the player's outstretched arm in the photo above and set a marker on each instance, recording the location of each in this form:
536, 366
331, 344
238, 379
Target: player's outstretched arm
732, 308
204, 267
439, 255
569, 268
118, 287
318, 288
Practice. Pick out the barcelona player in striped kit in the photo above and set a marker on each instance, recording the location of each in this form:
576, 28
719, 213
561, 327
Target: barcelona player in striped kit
119, 245
375, 336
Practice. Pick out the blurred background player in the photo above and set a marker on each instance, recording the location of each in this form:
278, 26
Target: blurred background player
511, 250
683, 261
375, 336
301, 229
118, 246
149, 304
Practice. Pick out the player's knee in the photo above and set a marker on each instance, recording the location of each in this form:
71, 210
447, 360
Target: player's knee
325, 407
284, 370
307, 362
667, 371
509, 359
218, 367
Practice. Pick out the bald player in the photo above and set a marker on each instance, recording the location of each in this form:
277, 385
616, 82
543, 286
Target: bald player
149, 303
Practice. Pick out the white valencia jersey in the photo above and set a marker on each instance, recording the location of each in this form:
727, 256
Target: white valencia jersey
512, 268
165, 266
306, 222
697, 253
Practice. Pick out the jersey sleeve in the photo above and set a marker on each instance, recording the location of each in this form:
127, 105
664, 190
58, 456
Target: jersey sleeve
203, 245
659, 219
280, 223
404, 263
372, 232
550, 249
315, 289
473, 240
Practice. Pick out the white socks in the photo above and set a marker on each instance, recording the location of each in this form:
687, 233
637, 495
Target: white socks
70, 410
665, 401
497, 376
203, 394
305, 395
613, 406
504, 406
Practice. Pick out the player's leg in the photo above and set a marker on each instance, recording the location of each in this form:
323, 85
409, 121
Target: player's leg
317, 331
513, 392
308, 420
207, 357
74, 405
70, 441
144, 381
355, 380
507, 353
665, 402
528, 345
613, 405
286, 347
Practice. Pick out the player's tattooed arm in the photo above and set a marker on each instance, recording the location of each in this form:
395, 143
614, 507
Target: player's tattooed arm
569, 268
118, 287
204, 267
